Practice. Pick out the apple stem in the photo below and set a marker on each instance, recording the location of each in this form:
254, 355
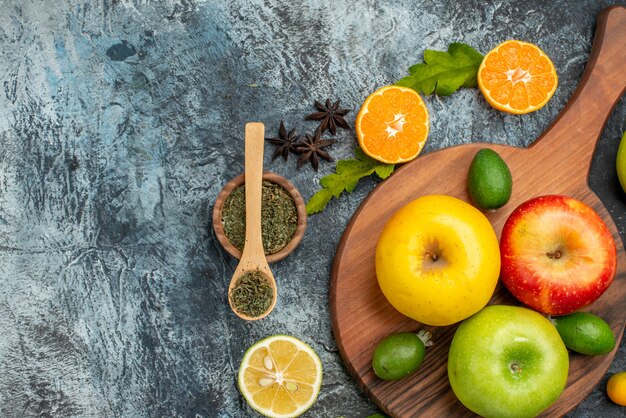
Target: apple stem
425, 336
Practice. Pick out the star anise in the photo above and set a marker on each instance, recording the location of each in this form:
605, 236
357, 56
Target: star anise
311, 149
330, 115
285, 142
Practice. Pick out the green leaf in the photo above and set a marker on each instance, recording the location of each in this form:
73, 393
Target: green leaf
444, 72
347, 175
384, 171
318, 201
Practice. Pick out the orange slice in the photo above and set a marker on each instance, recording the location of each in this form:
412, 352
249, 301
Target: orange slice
392, 125
280, 376
517, 77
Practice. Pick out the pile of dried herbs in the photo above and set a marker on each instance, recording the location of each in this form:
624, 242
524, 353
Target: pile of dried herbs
252, 294
279, 217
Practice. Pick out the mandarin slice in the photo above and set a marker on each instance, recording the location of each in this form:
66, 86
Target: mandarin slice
392, 125
517, 77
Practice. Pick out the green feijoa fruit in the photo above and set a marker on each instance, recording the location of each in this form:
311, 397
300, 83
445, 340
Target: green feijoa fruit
585, 333
398, 355
489, 180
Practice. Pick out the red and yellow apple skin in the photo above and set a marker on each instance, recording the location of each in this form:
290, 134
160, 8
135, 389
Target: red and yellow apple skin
557, 254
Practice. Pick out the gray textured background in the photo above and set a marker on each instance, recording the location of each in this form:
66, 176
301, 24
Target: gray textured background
120, 121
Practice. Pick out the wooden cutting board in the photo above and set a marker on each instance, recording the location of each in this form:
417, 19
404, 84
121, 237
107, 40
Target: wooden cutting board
556, 163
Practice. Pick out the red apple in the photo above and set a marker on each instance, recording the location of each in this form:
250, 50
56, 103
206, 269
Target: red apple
557, 254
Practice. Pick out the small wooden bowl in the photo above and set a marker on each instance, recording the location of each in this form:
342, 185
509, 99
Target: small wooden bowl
218, 226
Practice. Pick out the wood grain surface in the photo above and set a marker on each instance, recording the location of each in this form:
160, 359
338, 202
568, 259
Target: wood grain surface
556, 163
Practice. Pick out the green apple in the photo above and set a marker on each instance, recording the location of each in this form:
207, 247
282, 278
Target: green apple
507, 361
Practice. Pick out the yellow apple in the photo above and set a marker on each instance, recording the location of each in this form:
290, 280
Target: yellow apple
438, 260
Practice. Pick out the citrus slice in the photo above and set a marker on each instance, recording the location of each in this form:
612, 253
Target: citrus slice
517, 77
392, 125
280, 376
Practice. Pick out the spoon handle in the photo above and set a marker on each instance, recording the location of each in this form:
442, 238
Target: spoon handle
579, 125
254, 142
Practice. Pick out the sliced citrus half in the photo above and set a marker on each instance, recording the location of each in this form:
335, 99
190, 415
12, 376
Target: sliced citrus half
517, 77
393, 124
280, 376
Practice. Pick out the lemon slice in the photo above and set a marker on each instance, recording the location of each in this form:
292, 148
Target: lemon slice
280, 376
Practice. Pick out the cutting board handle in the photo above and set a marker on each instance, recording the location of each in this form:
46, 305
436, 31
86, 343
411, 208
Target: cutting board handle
601, 86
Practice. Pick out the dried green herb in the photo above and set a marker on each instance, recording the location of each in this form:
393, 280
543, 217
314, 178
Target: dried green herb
252, 294
279, 217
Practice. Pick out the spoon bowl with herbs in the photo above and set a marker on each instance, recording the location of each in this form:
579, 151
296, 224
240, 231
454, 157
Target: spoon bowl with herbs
252, 295
252, 291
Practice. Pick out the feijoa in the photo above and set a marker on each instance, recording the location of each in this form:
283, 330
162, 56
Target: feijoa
585, 333
489, 180
398, 355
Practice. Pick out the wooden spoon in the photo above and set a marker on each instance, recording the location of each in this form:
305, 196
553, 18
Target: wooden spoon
557, 163
253, 257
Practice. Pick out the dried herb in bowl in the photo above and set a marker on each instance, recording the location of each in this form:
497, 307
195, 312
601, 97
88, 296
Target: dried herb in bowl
279, 217
252, 294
